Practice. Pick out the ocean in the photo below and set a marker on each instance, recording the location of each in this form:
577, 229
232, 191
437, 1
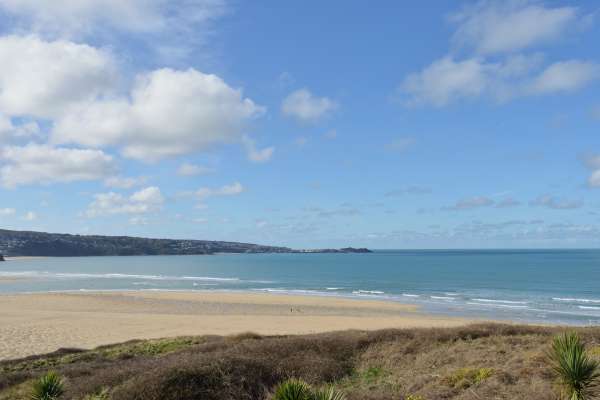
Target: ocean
539, 286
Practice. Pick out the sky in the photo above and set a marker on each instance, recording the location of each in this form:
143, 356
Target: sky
431, 124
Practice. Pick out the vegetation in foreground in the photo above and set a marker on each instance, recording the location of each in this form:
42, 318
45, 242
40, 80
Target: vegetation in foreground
488, 361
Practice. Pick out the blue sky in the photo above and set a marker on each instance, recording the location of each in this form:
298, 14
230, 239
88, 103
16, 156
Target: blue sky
437, 124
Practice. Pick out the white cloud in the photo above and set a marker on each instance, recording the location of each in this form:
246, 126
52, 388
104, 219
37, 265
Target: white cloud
594, 179
43, 164
169, 113
445, 81
257, 155
565, 76
42, 79
592, 161
187, 169
145, 201
30, 216
121, 182
5, 212
303, 106
506, 26
73, 17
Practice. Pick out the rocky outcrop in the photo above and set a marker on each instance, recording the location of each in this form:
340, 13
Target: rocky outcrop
2, 258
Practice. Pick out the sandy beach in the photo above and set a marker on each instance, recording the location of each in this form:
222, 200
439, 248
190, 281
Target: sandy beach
39, 323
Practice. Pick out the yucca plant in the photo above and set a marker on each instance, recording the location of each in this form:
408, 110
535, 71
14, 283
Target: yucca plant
48, 387
293, 389
296, 389
578, 373
328, 394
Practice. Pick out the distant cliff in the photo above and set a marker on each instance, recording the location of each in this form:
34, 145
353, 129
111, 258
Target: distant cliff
24, 243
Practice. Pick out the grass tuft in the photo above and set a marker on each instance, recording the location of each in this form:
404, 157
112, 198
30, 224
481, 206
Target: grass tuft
48, 387
464, 378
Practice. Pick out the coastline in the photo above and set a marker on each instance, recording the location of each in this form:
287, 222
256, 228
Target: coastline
35, 323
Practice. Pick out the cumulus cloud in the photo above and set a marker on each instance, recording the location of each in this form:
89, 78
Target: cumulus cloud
168, 113
446, 80
144, 201
44, 164
505, 26
304, 106
556, 203
187, 169
471, 203
565, 76
82, 17
30, 87
257, 155
496, 31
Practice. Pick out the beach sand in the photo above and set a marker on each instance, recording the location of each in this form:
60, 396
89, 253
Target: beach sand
40, 323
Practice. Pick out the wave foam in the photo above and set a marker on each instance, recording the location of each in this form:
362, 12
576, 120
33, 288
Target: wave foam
574, 300
500, 301
368, 292
442, 298
69, 275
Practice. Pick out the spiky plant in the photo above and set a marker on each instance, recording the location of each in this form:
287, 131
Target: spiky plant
328, 394
577, 372
293, 389
48, 387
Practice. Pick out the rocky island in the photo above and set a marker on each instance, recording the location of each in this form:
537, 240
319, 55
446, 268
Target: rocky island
42, 244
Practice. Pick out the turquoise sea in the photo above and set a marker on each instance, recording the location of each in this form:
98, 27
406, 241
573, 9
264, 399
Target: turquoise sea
558, 286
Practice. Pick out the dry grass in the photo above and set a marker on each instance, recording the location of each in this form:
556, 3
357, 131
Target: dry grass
475, 362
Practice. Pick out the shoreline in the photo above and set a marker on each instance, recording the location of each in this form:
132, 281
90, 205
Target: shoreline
36, 323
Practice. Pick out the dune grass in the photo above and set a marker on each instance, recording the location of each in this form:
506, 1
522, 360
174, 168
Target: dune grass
468, 363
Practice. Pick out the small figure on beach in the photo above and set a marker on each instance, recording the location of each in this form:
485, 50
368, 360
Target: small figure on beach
2, 257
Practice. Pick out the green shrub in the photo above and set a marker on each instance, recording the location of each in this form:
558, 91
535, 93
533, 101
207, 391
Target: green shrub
579, 374
293, 389
48, 387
